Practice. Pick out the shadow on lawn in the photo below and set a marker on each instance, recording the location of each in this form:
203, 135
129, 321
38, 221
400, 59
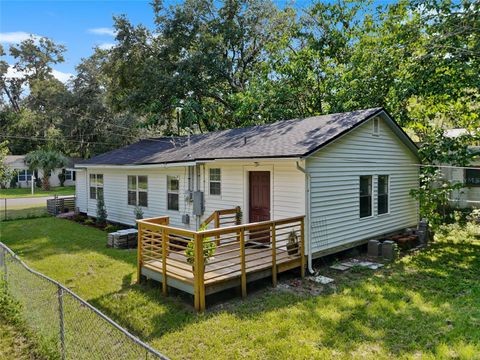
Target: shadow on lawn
406, 309
413, 306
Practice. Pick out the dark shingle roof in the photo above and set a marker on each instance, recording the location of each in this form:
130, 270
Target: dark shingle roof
288, 138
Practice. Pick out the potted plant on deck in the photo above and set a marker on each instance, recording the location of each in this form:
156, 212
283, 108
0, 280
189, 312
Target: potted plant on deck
292, 243
209, 248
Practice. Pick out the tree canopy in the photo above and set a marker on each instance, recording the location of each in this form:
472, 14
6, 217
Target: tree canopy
47, 161
208, 65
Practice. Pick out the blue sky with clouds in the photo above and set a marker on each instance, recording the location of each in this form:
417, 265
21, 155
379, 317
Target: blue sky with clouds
79, 25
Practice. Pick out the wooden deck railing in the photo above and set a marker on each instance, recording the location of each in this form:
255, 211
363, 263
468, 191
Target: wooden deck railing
212, 256
225, 217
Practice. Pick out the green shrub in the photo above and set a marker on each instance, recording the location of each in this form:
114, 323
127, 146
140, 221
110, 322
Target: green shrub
89, 222
101, 211
79, 218
62, 178
112, 228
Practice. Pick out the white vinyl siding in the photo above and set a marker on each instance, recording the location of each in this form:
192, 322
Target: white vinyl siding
287, 187
335, 186
288, 194
116, 195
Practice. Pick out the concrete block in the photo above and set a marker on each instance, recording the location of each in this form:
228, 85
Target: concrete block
389, 250
374, 248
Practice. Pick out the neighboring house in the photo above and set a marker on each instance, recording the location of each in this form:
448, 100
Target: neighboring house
469, 195
24, 174
349, 173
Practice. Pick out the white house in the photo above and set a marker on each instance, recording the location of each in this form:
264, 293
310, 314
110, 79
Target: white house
24, 174
469, 195
349, 173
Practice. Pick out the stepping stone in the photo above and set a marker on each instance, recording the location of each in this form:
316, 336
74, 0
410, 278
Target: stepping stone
322, 279
375, 266
340, 267
350, 264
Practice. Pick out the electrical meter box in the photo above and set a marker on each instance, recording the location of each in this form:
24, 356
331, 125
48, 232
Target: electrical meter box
198, 203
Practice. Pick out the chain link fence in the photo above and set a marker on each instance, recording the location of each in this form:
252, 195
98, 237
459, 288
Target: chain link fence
67, 327
22, 208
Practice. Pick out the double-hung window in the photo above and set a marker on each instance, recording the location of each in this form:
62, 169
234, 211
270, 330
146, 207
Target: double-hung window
173, 186
69, 175
24, 175
138, 190
96, 186
365, 196
215, 181
382, 194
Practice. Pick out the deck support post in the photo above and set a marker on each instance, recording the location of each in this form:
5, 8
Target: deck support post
242, 263
274, 255
164, 261
139, 253
302, 247
217, 225
199, 273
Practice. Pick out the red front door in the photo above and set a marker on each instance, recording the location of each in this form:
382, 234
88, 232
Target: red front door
259, 198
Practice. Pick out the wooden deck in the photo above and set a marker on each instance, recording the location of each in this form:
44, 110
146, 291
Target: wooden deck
232, 255
225, 272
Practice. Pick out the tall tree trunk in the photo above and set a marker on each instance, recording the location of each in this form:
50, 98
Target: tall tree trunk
46, 182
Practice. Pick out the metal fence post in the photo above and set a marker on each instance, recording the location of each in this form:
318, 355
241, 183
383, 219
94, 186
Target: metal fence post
5, 268
62, 325
56, 205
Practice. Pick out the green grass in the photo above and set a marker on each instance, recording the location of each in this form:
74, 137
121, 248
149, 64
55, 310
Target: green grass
27, 192
14, 344
426, 305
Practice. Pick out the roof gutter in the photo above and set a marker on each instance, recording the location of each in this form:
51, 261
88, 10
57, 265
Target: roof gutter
139, 166
176, 164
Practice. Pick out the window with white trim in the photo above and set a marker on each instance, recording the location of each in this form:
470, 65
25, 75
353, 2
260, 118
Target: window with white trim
138, 190
365, 196
96, 186
24, 174
69, 175
173, 189
215, 176
382, 194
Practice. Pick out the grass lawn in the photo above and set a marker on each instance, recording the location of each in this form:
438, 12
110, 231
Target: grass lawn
27, 192
424, 306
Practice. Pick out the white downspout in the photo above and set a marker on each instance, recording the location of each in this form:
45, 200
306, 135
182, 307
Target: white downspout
307, 206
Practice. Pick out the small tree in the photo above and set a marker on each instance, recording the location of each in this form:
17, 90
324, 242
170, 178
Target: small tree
138, 212
47, 161
101, 211
6, 173
62, 178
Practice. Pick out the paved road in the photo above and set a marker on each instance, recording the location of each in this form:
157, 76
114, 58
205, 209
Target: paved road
29, 201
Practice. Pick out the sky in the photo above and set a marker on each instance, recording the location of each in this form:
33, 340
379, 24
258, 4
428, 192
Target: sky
79, 25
